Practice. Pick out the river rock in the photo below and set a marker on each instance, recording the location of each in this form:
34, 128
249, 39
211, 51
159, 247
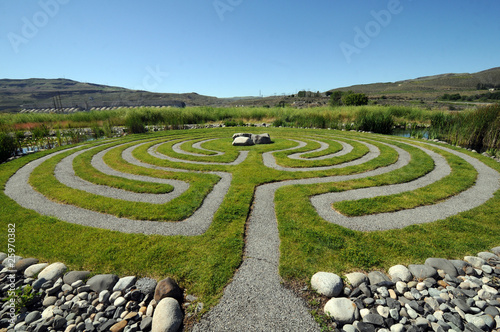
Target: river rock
328, 284
72, 276
422, 271
168, 288
342, 310
261, 139
101, 282
243, 141
356, 279
442, 264
167, 316
124, 283
24, 263
401, 272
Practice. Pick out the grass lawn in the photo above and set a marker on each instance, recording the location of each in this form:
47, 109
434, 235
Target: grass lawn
204, 264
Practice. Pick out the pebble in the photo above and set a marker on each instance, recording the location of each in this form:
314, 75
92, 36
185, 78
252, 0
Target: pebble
441, 295
104, 303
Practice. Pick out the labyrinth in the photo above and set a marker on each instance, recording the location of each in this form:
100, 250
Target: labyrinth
232, 224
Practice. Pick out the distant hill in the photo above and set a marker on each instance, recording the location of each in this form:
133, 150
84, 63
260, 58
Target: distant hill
439, 83
36, 93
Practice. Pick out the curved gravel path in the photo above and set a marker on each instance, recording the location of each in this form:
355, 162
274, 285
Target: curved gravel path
346, 149
256, 300
177, 148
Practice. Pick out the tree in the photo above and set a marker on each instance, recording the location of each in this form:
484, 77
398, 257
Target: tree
336, 98
355, 99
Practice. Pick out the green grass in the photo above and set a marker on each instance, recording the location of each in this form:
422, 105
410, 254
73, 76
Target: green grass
463, 176
204, 264
83, 169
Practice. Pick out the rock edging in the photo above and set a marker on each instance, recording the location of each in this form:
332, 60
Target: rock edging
67, 302
440, 295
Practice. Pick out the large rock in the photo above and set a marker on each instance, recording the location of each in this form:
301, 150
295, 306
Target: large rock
342, 310
124, 283
328, 284
23, 264
33, 270
261, 139
442, 264
167, 316
356, 279
53, 272
168, 288
475, 261
243, 141
101, 282
73, 276
146, 285
423, 271
401, 272
241, 135
377, 277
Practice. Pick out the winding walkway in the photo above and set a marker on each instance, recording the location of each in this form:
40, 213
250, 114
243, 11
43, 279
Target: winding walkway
256, 300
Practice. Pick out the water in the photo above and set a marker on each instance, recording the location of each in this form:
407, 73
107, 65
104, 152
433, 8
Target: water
411, 132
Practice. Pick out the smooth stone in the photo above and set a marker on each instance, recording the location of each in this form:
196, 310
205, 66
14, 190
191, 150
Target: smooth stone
101, 282
401, 272
398, 328
348, 328
33, 270
422, 322
496, 251
327, 284
53, 272
377, 277
442, 264
49, 300
70, 328
342, 310
168, 288
487, 269
363, 312
167, 316
48, 312
261, 138
356, 278
114, 296
383, 311
104, 296
146, 323
401, 287
394, 314
422, 271
364, 327
490, 289
487, 256
32, 316
24, 263
118, 327
492, 311
243, 141
125, 283
72, 276
119, 301
476, 262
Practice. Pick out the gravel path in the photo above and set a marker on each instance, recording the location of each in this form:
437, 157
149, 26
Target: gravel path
346, 149
256, 300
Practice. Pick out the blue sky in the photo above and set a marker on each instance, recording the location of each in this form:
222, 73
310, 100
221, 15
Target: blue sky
229, 48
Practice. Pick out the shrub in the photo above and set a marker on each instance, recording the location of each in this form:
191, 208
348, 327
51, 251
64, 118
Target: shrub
7, 146
134, 123
375, 121
355, 99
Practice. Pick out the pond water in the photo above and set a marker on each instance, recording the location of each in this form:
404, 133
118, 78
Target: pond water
411, 132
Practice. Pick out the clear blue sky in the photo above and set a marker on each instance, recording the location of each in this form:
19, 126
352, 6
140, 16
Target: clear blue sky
228, 48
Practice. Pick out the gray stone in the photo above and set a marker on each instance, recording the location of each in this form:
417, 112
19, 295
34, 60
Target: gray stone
72, 276
398, 328
377, 277
460, 265
422, 271
261, 138
401, 272
342, 310
53, 272
146, 323
58, 322
328, 284
49, 300
23, 264
32, 316
119, 301
33, 270
492, 311
243, 141
167, 316
476, 262
374, 319
496, 251
102, 282
487, 256
356, 279
125, 283
348, 328
146, 285
442, 264
242, 135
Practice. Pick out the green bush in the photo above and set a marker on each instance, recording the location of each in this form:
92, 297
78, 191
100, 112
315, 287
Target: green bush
355, 99
375, 121
135, 123
7, 146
